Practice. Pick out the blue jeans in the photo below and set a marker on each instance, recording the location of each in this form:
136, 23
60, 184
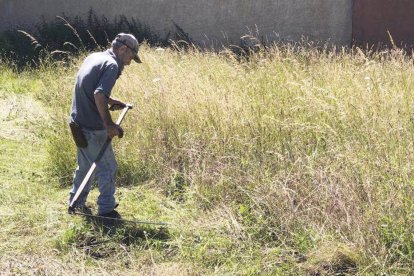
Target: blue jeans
105, 172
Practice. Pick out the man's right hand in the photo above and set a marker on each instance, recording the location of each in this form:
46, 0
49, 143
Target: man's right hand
114, 130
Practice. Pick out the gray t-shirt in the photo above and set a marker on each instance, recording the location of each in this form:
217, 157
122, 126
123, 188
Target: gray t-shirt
98, 72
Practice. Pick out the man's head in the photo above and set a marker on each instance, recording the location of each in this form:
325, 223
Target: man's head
125, 46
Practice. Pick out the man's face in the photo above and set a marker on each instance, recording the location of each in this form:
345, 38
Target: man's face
127, 55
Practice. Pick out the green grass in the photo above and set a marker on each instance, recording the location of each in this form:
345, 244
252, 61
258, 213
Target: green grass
18, 84
292, 161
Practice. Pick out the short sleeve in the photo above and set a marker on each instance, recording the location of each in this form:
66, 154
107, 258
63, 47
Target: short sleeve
107, 80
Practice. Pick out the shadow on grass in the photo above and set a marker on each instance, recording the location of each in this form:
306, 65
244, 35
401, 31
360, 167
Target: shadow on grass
105, 238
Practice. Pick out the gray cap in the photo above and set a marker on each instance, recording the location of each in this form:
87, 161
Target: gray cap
130, 41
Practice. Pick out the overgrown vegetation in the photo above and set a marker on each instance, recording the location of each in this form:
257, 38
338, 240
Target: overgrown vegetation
64, 37
294, 160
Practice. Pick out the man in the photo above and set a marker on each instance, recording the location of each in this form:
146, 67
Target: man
93, 123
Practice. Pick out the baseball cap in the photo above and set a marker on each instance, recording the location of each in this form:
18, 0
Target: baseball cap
131, 42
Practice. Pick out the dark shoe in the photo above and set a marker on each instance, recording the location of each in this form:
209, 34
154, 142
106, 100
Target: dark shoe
112, 215
80, 210
111, 219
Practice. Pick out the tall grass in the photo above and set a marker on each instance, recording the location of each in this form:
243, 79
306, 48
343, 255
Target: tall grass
305, 149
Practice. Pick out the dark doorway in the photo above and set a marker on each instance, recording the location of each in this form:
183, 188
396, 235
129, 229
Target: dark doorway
373, 19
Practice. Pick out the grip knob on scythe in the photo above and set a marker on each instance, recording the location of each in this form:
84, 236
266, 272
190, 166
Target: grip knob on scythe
72, 204
119, 106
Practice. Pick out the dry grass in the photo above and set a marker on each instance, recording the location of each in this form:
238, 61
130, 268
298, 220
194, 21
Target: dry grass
292, 160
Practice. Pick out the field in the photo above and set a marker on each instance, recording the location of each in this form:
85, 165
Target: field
289, 161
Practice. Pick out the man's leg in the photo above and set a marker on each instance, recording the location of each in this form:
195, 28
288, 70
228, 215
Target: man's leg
86, 156
84, 163
106, 170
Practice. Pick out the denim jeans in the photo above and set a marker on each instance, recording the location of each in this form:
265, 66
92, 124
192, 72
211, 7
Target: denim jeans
105, 172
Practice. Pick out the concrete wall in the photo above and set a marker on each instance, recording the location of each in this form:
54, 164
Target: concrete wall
205, 20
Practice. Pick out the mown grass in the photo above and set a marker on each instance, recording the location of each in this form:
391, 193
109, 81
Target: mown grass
289, 161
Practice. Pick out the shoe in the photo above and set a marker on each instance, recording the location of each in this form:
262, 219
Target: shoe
82, 210
111, 219
113, 215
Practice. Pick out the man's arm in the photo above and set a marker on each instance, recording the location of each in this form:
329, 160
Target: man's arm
101, 102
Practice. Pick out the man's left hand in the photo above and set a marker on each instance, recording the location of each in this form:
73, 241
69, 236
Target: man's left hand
116, 105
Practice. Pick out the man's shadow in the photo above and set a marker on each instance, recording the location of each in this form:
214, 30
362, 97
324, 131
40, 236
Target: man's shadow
110, 232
